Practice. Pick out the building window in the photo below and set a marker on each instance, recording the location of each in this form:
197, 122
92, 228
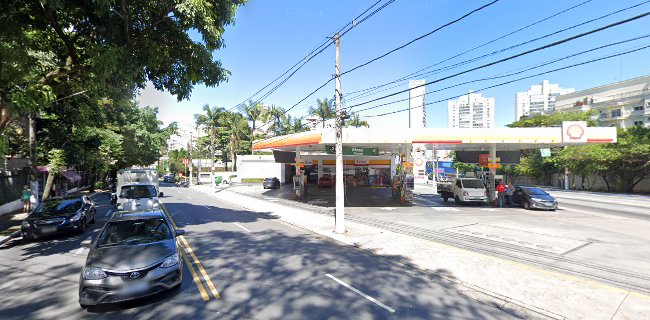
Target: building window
638, 123
638, 108
616, 113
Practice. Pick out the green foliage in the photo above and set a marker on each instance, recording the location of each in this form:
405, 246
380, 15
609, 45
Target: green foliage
554, 119
357, 122
323, 110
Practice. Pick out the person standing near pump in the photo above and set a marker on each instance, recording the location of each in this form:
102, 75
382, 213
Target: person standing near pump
510, 189
26, 197
501, 189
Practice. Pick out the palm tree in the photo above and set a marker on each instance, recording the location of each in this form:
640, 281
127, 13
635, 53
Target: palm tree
357, 122
324, 110
253, 112
298, 126
237, 128
210, 121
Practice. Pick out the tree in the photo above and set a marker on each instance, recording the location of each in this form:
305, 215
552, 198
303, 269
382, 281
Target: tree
357, 122
237, 128
56, 164
554, 119
323, 110
253, 112
109, 43
298, 126
211, 121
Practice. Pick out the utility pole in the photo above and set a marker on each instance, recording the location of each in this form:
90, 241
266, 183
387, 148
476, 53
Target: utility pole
189, 153
339, 219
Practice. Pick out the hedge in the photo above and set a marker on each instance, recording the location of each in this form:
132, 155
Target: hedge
252, 179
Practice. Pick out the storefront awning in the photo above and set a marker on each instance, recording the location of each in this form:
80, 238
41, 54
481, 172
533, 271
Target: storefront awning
71, 175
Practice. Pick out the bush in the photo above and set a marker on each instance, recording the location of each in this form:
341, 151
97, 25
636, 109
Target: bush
252, 180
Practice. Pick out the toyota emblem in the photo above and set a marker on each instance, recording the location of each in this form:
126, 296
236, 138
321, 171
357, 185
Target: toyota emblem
134, 275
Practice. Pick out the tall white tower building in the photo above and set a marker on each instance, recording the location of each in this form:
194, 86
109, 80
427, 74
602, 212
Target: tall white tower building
417, 109
539, 99
470, 111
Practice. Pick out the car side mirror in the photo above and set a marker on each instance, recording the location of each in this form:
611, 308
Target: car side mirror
180, 232
160, 195
86, 243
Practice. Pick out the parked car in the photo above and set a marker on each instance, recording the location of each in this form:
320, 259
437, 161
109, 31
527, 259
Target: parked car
169, 178
271, 183
135, 255
70, 213
533, 198
325, 181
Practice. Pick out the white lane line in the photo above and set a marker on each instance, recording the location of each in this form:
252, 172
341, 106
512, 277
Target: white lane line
108, 213
239, 225
206, 207
360, 293
189, 197
178, 191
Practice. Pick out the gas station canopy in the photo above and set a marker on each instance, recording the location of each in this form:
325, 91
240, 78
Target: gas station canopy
479, 139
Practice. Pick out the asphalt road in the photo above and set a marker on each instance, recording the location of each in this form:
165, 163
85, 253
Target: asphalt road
243, 265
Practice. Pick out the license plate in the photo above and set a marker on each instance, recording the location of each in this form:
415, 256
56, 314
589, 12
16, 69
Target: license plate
135, 288
48, 229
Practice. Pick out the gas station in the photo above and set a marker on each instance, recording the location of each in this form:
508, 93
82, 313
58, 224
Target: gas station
373, 156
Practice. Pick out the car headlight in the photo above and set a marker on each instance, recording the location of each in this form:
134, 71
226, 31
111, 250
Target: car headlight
93, 273
76, 217
25, 224
170, 261
155, 206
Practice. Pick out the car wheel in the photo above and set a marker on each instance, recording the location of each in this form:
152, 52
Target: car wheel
82, 227
526, 205
445, 198
94, 217
457, 199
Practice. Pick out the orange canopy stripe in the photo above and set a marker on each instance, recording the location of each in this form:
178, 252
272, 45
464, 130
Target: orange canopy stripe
299, 139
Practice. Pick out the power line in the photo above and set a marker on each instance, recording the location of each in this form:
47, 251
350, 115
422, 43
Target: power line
398, 48
350, 25
418, 73
553, 44
511, 73
515, 80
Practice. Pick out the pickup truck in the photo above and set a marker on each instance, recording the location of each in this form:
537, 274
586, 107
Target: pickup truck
463, 190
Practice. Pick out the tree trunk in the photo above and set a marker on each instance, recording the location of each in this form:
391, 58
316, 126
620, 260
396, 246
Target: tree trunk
48, 185
609, 189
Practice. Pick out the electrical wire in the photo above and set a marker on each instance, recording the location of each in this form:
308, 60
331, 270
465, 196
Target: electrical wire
515, 80
553, 44
369, 91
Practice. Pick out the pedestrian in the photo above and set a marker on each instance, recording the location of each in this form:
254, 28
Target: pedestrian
26, 198
501, 189
510, 189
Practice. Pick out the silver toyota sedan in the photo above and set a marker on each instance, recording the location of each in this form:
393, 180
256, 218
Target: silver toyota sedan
135, 255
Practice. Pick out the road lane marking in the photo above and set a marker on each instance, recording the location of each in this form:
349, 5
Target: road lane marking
206, 207
189, 197
239, 225
207, 279
195, 277
357, 291
108, 213
178, 191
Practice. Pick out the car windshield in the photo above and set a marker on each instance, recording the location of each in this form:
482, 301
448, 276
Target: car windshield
535, 191
138, 191
134, 232
473, 184
56, 207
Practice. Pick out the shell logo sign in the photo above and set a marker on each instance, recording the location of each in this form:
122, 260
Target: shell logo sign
574, 131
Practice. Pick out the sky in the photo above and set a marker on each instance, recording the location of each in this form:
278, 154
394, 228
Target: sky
269, 37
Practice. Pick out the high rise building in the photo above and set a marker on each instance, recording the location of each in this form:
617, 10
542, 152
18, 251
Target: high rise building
539, 99
417, 108
470, 111
622, 104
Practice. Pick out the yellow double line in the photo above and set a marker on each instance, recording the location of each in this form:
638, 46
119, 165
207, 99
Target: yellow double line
187, 249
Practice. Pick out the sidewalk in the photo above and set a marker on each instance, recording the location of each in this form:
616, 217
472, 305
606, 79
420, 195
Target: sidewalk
532, 291
10, 224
